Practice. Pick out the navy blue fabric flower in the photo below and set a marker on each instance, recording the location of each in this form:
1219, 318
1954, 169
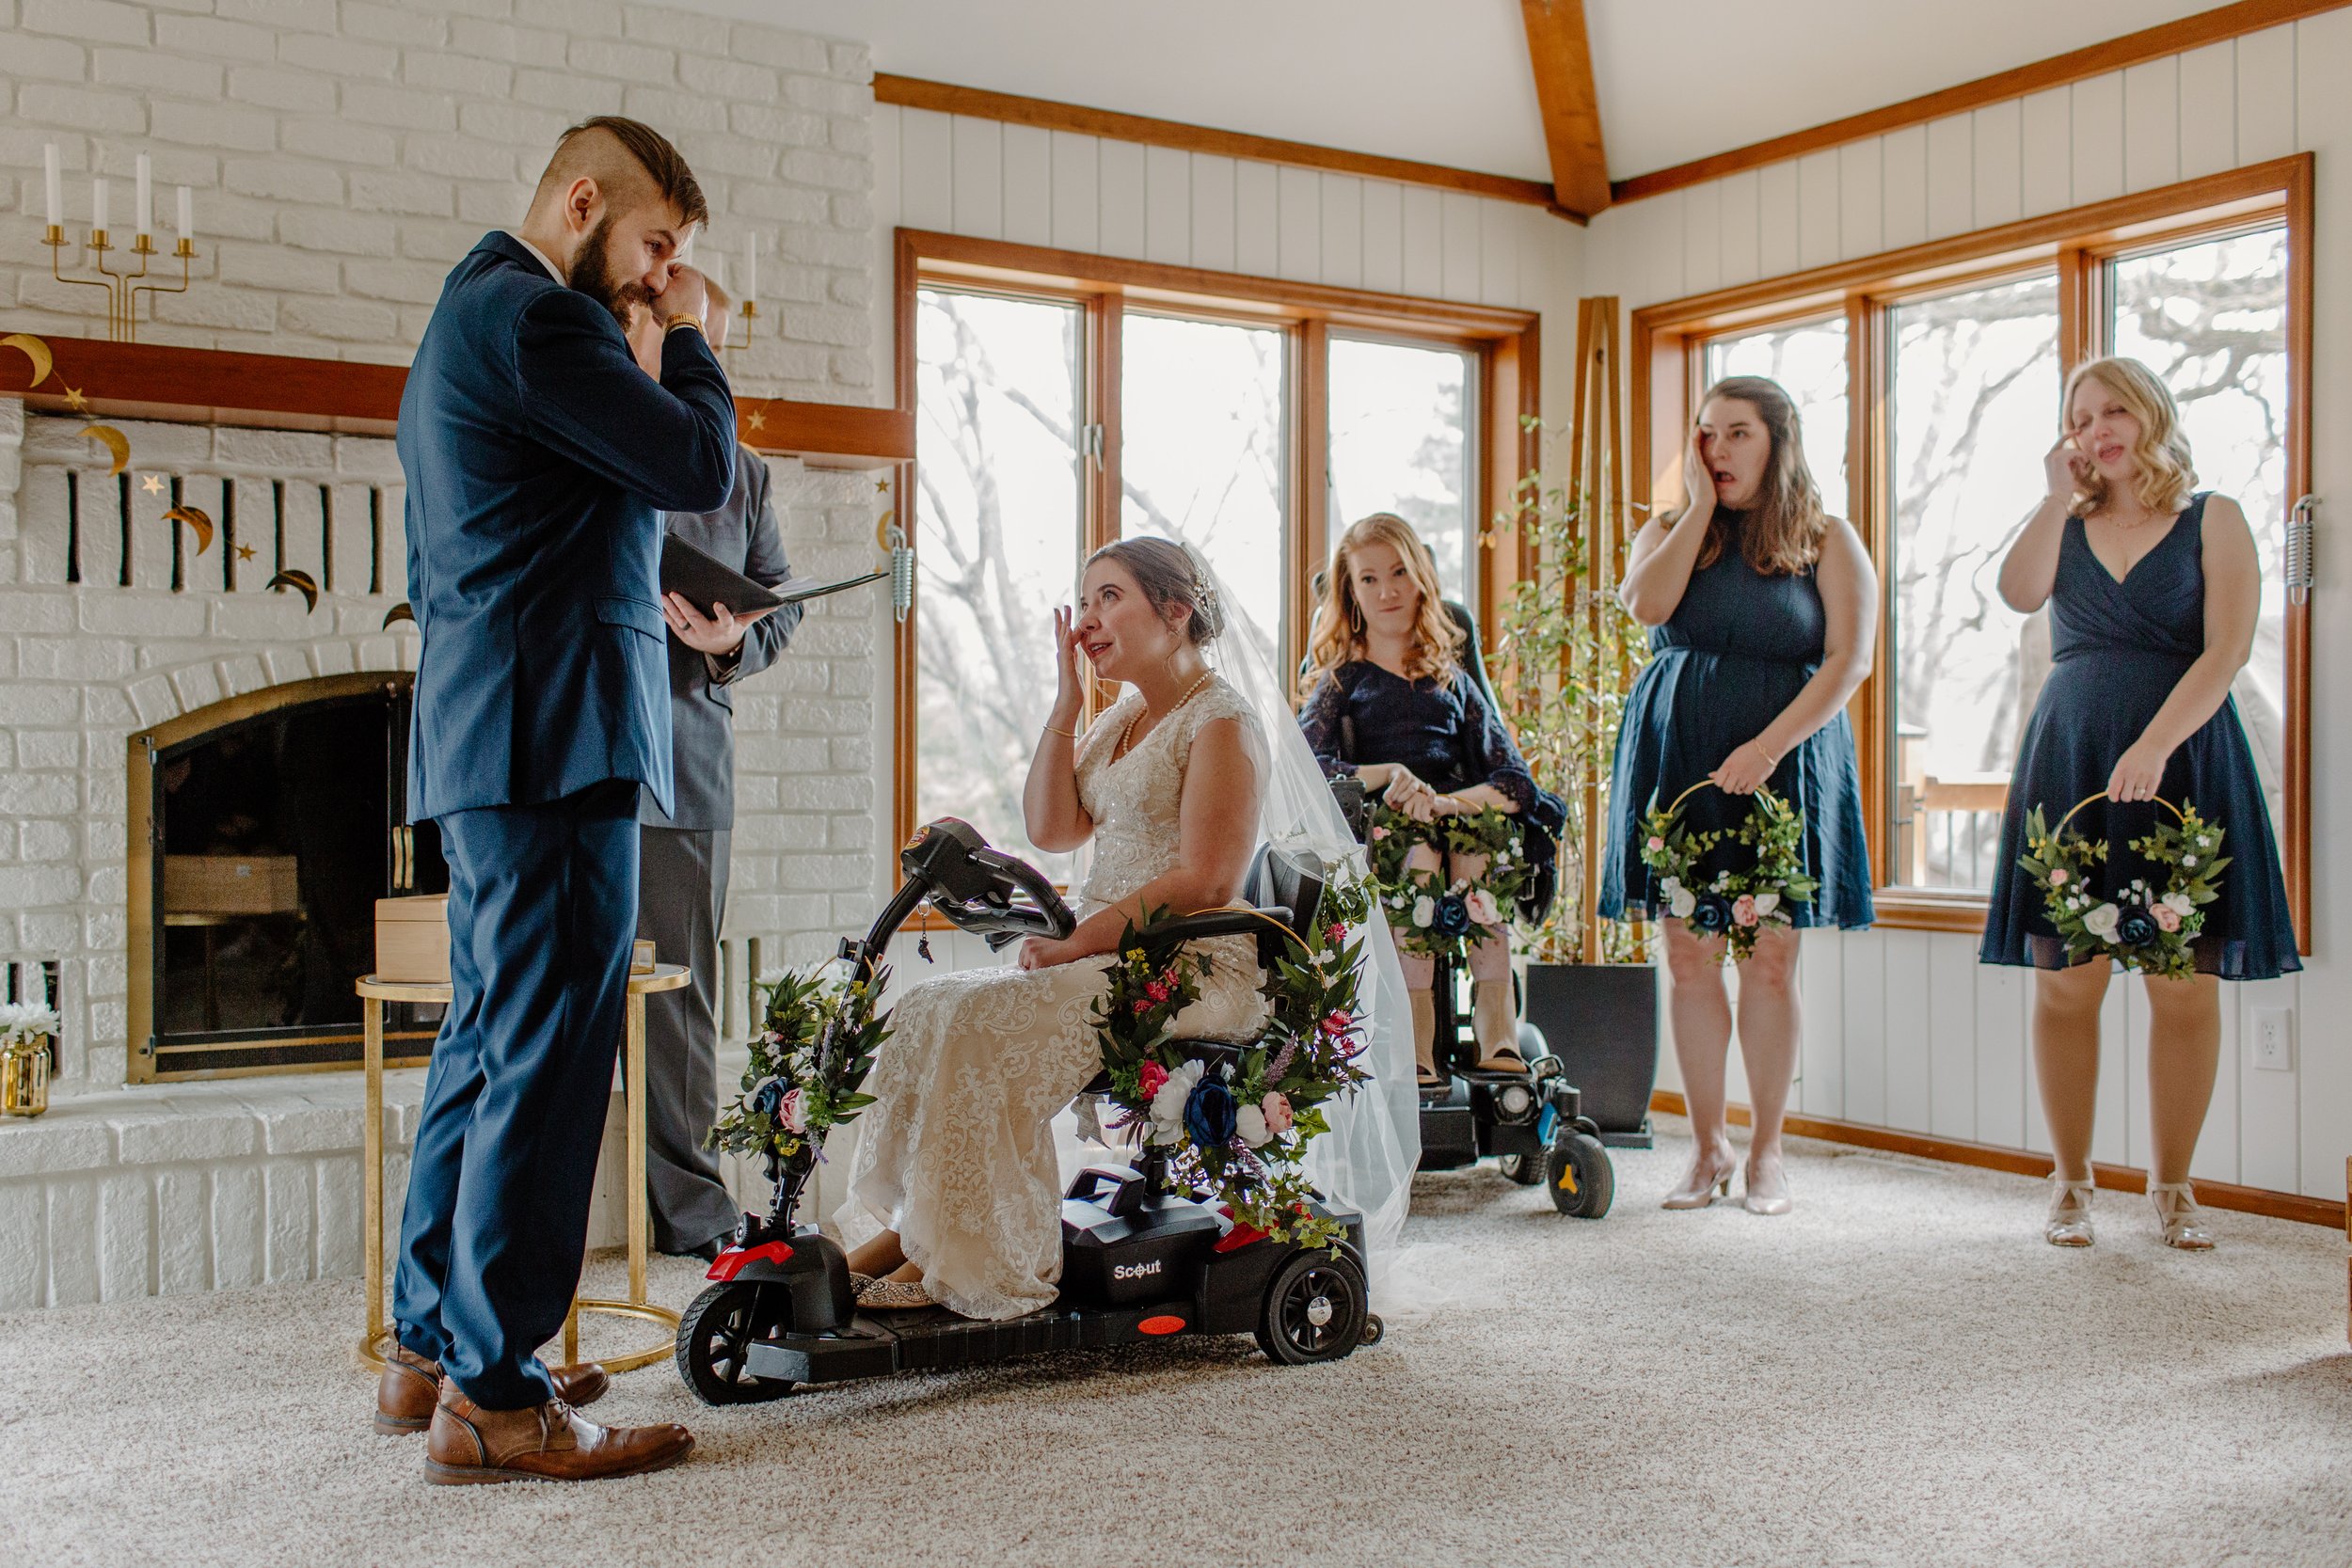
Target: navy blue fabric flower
1209, 1114
769, 1095
1451, 918
1714, 912
2136, 929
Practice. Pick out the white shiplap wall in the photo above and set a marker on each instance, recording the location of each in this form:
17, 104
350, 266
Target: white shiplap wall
1903, 1029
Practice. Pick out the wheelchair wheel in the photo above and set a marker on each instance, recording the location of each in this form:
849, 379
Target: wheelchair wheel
1525, 1169
1315, 1310
1581, 1180
714, 1336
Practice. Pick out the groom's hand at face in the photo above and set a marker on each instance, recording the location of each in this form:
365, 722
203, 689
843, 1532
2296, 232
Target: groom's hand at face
687, 293
720, 632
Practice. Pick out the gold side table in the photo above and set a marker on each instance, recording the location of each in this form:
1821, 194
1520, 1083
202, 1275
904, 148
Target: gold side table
373, 993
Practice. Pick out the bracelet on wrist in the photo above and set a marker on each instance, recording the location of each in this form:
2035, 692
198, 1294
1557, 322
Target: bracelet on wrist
1769, 760
1056, 729
681, 319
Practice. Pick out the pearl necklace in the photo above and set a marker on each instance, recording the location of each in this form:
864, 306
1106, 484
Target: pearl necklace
1120, 749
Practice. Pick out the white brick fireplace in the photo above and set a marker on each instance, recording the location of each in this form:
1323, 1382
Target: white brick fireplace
344, 156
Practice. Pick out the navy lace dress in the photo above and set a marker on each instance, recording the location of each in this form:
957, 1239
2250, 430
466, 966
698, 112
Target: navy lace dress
2117, 651
1738, 649
1445, 731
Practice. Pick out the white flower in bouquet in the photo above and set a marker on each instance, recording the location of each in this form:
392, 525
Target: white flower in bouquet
1424, 911
1168, 1105
1766, 903
2180, 904
1670, 885
1481, 904
1250, 1121
2101, 921
1682, 903
25, 1021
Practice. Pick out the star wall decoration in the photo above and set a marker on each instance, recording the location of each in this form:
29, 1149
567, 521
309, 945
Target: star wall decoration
244, 553
757, 419
75, 400
151, 484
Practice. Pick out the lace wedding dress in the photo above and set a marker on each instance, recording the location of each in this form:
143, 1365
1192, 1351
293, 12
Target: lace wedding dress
957, 1154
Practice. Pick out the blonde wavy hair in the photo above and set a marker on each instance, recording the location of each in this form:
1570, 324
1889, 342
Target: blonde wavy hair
1337, 634
1781, 535
2165, 475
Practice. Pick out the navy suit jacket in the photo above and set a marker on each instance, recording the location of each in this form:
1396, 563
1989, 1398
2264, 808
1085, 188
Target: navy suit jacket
539, 459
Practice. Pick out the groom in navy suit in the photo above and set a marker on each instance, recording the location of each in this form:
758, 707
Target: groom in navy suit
539, 460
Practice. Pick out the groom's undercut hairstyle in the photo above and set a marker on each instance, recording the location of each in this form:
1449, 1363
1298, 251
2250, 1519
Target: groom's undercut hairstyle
630, 161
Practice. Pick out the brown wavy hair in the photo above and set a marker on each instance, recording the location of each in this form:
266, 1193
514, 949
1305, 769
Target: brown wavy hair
1337, 634
2164, 477
1781, 534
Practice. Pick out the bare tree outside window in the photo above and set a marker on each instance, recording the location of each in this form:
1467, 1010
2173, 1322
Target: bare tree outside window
1400, 422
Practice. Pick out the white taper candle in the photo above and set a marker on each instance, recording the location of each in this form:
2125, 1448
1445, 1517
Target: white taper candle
187, 216
97, 202
751, 267
145, 206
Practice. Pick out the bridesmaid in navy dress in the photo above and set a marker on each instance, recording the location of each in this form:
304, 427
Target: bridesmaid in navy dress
1765, 616
2154, 591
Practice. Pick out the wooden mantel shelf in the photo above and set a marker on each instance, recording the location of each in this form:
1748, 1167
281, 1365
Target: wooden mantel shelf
149, 381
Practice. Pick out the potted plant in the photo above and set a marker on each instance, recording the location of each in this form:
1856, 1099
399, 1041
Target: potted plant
1565, 654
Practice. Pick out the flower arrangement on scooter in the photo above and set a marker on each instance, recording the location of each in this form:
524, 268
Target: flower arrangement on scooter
1733, 905
1434, 917
1240, 1126
815, 1046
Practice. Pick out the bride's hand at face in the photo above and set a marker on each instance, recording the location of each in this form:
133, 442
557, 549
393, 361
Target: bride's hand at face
1069, 668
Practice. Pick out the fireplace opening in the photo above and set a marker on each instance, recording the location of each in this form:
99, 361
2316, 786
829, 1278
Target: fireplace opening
274, 822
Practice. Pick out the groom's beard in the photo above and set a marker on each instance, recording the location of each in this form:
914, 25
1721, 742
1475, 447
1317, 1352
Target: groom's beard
592, 274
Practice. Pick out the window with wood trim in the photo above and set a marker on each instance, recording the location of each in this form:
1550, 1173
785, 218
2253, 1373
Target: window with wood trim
1061, 400
1929, 382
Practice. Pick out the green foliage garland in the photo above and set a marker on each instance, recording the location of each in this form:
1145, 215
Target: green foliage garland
814, 1049
2151, 930
1734, 905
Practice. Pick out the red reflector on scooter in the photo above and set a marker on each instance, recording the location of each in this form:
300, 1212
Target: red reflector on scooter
1238, 1238
1166, 1324
732, 1262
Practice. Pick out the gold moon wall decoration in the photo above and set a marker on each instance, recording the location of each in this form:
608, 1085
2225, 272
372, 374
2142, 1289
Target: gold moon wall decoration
301, 583
196, 518
399, 612
35, 350
114, 441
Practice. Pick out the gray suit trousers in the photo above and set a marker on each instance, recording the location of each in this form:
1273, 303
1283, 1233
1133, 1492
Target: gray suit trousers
682, 896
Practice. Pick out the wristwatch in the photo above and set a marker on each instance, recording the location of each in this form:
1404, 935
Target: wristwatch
671, 323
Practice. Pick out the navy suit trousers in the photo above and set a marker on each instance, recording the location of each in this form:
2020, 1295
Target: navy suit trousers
542, 909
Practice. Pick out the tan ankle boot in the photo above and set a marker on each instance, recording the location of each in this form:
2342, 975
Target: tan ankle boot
1495, 1020
1425, 1008
471, 1445
411, 1387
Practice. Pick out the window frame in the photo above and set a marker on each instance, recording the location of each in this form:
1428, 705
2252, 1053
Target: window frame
1669, 343
1507, 344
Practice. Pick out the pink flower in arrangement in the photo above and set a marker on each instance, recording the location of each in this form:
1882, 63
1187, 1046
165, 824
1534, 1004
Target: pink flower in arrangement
1656, 843
1744, 909
2058, 878
2166, 917
1156, 990
1143, 1006
792, 1112
1379, 833
1339, 1023
1336, 931
1277, 1107
1150, 1078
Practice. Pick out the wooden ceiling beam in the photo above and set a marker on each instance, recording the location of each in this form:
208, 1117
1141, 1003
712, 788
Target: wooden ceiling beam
1560, 52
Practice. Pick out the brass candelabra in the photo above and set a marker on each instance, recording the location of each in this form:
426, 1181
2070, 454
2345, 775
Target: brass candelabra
745, 314
124, 287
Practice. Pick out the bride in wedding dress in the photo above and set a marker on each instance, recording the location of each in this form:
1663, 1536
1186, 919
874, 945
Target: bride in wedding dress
957, 1156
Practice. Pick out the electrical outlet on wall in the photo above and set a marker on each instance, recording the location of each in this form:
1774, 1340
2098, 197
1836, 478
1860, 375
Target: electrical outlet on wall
2273, 1040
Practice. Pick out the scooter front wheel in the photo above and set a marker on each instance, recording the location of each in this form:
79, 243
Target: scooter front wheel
714, 1339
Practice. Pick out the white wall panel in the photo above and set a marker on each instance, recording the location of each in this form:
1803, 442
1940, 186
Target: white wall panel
2048, 150
1951, 176
1343, 200
2209, 109
1299, 224
1742, 227
2266, 94
1818, 233
2098, 139
1077, 192
1257, 220
1498, 252
1999, 172
980, 180
1028, 184
1459, 255
1909, 1005
2151, 124
1951, 1029
1168, 205
1703, 238
1821, 972
1384, 236
1125, 196
2268, 1153
1212, 212
926, 171
1776, 218
1905, 152
2004, 1074
1865, 1009
1424, 241
1861, 199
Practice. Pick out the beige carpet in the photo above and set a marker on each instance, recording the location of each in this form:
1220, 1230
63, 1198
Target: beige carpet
1900, 1374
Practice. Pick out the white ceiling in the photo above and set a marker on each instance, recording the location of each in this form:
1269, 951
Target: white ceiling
1447, 81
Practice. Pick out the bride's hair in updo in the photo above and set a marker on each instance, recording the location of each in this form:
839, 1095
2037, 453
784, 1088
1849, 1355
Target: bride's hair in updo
1170, 579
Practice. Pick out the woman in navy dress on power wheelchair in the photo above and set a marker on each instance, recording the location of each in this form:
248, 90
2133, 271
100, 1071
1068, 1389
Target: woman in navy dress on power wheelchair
1391, 700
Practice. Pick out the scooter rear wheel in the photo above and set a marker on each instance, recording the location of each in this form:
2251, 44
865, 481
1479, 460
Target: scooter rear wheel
1525, 1169
716, 1333
1314, 1310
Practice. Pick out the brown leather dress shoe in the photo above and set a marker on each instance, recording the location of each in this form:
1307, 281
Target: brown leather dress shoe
471, 1445
411, 1387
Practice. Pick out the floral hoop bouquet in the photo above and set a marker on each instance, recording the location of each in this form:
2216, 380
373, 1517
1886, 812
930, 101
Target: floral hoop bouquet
2150, 929
815, 1046
1430, 915
1733, 905
1237, 1121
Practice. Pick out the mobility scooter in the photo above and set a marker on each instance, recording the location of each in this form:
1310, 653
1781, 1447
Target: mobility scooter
1141, 1259
1528, 1119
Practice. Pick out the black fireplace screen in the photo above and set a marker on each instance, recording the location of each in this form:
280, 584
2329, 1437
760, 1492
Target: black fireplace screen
272, 833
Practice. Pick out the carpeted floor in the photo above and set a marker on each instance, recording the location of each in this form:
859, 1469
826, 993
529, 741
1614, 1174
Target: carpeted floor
1899, 1373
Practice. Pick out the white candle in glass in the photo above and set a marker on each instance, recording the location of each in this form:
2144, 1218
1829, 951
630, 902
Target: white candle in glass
53, 185
751, 267
144, 208
187, 217
97, 202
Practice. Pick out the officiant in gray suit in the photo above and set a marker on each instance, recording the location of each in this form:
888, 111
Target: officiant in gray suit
682, 855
